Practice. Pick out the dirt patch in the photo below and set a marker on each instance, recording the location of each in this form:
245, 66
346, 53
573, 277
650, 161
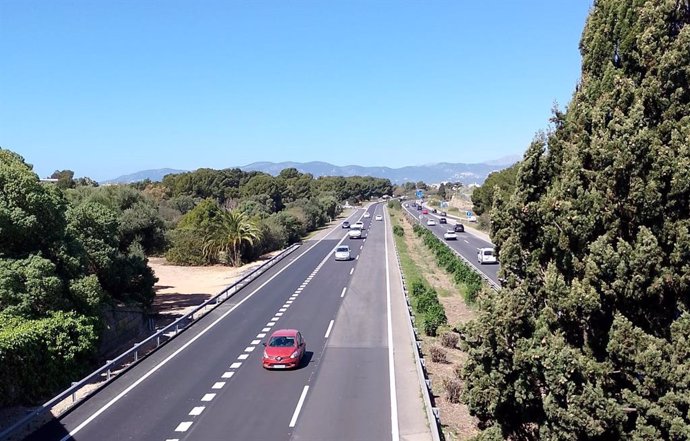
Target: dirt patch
181, 288
456, 421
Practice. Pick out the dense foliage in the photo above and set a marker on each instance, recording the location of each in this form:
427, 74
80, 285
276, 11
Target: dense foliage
59, 255
427, 307
590, 336
501, 182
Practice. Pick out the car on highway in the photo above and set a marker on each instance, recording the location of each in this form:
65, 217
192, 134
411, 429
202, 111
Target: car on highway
443, 220
354, 233
459, 228
486, 255
433, 210
430, 222
450, 234
367, 215
379, 217
284, 350
342, 252
425, 211
419, 207
346, 224
358, 225
443, 213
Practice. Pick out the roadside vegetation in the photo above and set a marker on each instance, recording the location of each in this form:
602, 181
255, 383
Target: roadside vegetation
431, 287
71, 251
589, 339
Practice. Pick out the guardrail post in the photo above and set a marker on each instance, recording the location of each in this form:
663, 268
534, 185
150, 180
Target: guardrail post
74, 394
158, 341
136, 353
107, 374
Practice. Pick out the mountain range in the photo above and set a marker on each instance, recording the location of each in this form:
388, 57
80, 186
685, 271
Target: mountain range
429, 173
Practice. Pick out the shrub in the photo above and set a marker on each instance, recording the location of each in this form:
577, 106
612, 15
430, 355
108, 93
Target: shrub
453, 388
434, 317
38, 357
450, 339
398, 230
437, 354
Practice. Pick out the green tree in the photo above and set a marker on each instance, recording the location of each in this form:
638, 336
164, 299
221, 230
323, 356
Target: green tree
65, 178
500, 182
590, 336
228, 233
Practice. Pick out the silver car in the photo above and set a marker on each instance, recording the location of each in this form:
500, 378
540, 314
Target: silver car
342, 252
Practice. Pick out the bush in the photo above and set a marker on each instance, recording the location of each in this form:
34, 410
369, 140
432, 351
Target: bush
434, 317
453, 388
450, 339
38, 357
398, 230
437, 354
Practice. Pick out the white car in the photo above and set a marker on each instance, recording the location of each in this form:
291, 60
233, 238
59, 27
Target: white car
450, 235
366, 214
354, 233
342, 252
431, 222
358, 226
486, 255
379, 217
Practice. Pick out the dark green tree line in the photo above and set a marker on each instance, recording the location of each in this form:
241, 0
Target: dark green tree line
590, 336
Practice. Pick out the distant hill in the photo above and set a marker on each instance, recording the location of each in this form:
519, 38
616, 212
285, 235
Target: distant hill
153, 175
429, 173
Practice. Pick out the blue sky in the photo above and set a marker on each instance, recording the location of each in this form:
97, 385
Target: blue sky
106, 88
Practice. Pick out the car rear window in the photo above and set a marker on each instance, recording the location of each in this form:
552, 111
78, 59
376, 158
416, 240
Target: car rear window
488, 253
340, 249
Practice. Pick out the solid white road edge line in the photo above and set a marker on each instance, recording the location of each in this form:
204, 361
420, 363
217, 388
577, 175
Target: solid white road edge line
293, 421
395, 433
328, 331
119, 396
343, 293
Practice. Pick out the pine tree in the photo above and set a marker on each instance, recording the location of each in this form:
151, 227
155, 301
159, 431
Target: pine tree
590, 337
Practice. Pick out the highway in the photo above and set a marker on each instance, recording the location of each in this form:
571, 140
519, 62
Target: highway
208, 383
466, 244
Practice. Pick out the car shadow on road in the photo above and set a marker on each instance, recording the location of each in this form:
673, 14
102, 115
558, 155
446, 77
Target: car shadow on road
306, 359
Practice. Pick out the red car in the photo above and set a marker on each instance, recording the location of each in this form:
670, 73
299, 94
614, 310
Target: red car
284, 350
425, 211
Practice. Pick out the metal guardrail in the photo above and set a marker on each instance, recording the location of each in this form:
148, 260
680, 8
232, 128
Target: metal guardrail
495, 286
113, 368
432, 413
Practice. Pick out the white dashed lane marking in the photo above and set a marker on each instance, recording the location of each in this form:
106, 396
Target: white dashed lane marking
343, 293
256, 342
183, 426
243, 357
196, 411
352, 271
208, 397
228, 374
218, 385
249, 348
235, 365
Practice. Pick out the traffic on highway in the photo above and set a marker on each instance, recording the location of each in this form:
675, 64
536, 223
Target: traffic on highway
302, 353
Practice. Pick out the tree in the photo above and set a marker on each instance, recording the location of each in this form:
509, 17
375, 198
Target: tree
65, 178
590, 336
502, 182
228, 233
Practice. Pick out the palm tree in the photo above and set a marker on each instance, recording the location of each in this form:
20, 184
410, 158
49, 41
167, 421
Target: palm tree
227, 234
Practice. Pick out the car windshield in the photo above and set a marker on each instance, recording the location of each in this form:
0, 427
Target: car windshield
282, 342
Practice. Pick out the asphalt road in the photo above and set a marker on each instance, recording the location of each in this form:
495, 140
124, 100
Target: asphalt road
208, 383
466, 244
